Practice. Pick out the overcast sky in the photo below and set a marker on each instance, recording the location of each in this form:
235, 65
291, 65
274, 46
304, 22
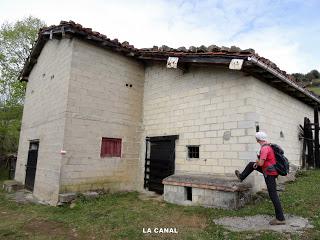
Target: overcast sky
287, 32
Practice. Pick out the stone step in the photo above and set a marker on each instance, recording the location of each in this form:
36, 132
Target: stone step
12, 186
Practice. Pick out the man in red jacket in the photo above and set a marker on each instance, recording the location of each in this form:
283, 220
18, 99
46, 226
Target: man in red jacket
264, 164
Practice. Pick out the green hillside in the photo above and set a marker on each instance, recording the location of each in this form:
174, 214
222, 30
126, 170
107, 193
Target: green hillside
315, 86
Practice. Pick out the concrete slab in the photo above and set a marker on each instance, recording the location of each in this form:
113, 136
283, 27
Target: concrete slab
23, 196
261, 222
148, 195
207, 181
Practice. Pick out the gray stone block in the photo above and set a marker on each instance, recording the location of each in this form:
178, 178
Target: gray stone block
12, 186
67, 197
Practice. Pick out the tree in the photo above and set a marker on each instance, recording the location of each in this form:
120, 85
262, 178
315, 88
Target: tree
10, 122
308, 77
16, 40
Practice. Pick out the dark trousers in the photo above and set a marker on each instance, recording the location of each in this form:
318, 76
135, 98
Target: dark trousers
271, 186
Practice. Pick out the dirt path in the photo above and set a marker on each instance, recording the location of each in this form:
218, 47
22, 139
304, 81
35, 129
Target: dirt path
261, 222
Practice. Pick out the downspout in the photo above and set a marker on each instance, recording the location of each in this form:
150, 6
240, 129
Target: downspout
282, 77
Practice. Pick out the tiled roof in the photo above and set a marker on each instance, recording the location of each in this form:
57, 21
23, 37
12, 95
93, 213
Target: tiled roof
191, 54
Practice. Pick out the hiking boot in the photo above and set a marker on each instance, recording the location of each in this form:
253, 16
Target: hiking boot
237, 173
277, 222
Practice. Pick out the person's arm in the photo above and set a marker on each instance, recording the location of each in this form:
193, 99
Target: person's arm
260, 162
263, 156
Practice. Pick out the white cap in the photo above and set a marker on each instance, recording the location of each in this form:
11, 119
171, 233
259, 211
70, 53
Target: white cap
262, 136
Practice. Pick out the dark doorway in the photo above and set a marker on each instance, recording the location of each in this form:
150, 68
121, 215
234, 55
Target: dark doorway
160, 161
31, 166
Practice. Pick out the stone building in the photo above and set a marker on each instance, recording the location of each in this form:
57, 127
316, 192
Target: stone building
100, 114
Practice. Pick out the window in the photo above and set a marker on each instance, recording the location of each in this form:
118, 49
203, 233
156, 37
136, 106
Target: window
193, 151
110, 147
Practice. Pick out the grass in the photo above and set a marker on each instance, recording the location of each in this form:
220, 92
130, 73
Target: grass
314, 89
4, 173
123, 215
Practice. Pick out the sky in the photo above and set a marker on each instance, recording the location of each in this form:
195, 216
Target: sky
285, 31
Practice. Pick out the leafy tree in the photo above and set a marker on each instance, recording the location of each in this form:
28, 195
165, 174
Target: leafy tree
307, 78
313, 74
10, 122
16, 41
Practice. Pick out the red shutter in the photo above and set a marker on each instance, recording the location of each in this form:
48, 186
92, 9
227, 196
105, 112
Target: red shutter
110, 147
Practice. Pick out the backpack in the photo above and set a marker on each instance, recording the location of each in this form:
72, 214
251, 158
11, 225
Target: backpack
282, 163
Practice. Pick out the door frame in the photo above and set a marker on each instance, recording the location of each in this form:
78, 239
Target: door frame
32, 143
149, 140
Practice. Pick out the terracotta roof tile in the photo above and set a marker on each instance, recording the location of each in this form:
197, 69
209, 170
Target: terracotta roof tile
202, 51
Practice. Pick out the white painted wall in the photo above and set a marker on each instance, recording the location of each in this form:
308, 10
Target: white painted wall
44, 117
278, 111
200, 106
100, 105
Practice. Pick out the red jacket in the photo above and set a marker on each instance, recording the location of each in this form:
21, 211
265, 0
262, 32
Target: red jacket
267, 154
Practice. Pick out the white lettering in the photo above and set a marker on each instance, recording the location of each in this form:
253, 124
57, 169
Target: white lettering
159, 230
148, 230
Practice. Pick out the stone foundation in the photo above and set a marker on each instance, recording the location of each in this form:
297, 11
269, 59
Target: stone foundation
12, 186
206, 190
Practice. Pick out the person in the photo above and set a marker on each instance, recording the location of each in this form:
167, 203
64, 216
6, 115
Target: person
264, 164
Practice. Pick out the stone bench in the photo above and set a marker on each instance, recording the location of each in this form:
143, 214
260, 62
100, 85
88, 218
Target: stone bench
206, 190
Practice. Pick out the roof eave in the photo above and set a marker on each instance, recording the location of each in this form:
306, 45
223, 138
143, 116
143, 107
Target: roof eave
285, 79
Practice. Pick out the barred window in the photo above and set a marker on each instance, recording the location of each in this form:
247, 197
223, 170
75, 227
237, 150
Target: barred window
193, 151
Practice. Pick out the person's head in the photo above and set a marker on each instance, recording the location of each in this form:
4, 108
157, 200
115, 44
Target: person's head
261, 137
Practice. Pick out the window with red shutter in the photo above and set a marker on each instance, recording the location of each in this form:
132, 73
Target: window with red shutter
110, 147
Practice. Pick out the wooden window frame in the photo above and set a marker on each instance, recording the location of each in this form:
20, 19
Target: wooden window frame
113, 150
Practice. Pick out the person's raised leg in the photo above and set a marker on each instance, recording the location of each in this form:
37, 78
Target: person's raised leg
246, 172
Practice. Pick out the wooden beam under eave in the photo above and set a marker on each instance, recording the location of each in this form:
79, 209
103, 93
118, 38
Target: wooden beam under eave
187, 59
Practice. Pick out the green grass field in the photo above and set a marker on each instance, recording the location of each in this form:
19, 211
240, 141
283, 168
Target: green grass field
316, 90
124, 215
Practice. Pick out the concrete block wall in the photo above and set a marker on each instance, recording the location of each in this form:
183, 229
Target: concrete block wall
44, 117
77, 94
278, 111
201, 106
101, 105
205, 197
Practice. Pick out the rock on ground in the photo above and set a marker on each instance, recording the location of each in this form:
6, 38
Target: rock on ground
261, 222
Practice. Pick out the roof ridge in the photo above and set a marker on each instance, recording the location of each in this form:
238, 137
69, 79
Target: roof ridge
72, 28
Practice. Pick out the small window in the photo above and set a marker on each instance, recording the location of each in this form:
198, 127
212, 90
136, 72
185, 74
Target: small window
110, 147
34, 145
193, 151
